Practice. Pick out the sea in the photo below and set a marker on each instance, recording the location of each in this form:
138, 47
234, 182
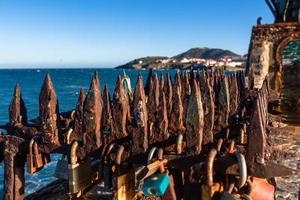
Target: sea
67, 83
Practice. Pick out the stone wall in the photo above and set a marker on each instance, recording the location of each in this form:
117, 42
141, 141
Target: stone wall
266, 49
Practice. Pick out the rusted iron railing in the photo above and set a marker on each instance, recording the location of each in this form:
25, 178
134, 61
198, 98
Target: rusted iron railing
208, 127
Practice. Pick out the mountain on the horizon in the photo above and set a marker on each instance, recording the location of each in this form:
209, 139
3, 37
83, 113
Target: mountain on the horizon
141, 62
156, 61
207, 53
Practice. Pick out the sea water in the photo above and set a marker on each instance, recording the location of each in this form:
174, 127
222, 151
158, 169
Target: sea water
67, 83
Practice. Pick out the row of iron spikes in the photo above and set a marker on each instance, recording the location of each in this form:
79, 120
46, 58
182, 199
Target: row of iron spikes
49, 89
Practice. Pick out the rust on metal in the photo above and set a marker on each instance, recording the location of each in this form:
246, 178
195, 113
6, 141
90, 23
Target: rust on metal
176, 119
208, 107
149, 79
161, 122
234, 93
152, 105
107, 120
194, 121
17, 109
120, 110
256, 140
185, 94
161, 82
223, 100
92, 112
49, 112
169, 94
14, 182
78, 120
140, 134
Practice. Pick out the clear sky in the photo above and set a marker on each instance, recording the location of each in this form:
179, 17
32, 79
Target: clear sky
105, 33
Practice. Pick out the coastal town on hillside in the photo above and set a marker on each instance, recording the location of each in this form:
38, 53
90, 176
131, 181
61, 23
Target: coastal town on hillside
223, 62
193, 58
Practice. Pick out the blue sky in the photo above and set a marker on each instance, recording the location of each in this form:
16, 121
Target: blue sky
105, 33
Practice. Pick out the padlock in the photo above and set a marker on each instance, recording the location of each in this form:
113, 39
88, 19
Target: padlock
156, 185
123, 181
152, 167
61, 170
149, 178
79, 172
35, 160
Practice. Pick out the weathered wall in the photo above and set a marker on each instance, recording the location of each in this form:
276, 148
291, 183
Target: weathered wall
266, 49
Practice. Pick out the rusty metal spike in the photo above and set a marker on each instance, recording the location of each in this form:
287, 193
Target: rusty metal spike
149, 79
161, 82
120, 110
156, 90
107, 121
152, 105
92, 111
208, 108
169, 94
81, 98
17, 110
223, 101
212, 79
78, 121
162, 121
234, 93
192, 76
176, 119
140, 136
186, 92
198, 75
49, 111
194, 121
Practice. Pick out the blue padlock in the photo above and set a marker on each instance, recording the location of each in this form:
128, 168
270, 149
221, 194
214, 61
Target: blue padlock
156, 185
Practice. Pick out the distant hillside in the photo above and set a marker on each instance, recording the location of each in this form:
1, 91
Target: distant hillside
141, 62
175, 62
207, 53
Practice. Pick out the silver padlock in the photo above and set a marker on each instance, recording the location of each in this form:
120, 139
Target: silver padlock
61, 170
79, 172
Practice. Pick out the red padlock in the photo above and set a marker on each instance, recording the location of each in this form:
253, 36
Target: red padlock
261, 189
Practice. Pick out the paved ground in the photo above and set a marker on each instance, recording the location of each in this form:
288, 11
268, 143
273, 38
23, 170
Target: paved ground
288, 140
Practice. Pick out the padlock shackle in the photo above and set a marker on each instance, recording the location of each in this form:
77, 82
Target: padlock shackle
107, 151
242, 169
219, 145
210, 167
179, 144
110, 148
73, 153
151, 154
33, 146
68, 135
120, 152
